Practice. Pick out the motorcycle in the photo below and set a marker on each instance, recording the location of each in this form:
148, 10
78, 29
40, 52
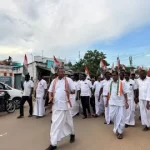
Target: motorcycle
5, 103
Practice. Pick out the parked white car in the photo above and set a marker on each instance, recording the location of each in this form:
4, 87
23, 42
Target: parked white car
15, 94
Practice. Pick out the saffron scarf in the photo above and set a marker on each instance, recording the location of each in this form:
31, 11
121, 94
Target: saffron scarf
66, 90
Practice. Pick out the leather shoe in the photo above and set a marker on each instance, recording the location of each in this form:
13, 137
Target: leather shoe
51, 147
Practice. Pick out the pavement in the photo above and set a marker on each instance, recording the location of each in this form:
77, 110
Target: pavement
91, 134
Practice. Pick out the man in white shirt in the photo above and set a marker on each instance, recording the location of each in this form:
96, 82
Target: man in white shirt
98, 100
104, 91
74, 98
130, 112
27, 96
40, 95
143, 84
85, 92
62, 122
117, 98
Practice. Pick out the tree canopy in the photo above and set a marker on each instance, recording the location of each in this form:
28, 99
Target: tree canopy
91, 59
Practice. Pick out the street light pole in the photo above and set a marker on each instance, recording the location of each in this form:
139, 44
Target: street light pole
32, 64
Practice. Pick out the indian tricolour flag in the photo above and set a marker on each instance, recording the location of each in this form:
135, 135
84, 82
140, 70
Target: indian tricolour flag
57, 62
25, 65
87, 72
53, 70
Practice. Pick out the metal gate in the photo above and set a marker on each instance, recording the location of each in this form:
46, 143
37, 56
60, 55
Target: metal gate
17, 81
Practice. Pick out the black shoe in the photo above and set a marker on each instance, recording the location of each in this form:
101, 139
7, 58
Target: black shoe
105, 122
51, 147
72, 138
30, 116
126, 126
19, 117
146, 128
77, 114
96, 116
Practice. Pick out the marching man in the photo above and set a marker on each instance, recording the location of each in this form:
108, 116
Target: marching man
130, 113
118, 102
98, 99
85, 87
143, 84
40, 95
74, 98
62, 122
104, 91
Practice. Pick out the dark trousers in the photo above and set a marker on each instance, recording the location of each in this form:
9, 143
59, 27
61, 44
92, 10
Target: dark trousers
47, 100
92, 102
85, 100
23, 100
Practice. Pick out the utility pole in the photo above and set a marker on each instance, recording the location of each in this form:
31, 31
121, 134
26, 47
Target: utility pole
42, 55
79, 55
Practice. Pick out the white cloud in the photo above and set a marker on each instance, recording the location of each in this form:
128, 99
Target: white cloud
67, 25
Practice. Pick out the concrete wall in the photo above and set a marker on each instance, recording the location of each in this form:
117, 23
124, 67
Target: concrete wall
6, 72
31, 68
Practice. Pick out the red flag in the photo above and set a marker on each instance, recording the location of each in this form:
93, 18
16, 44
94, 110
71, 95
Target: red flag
56, 61
52, 70
148, 73
102, 64
123, 67
112, 67
25, 65
87, 71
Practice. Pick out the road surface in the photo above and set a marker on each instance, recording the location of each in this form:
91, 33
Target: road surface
91, 134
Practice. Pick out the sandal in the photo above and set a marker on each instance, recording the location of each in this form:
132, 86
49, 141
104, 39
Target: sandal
120, 136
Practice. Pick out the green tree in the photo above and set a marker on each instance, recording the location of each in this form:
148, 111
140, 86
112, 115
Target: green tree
69, 64
91, 60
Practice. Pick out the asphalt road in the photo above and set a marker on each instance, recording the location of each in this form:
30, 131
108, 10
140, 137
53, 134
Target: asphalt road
91, 134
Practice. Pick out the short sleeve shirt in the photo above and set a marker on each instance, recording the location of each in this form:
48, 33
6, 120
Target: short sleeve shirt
28, 85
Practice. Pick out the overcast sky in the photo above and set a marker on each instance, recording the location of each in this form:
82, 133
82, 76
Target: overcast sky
65, 27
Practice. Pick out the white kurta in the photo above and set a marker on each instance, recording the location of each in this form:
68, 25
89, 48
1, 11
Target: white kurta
130, 112
143, 90
74, 102
99, 105
106, 88
117, 109
62, 121
39, 109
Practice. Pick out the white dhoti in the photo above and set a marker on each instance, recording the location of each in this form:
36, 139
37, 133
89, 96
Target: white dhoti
75, 105
107, 117
117, 115
130, 113
62, 125
99, 106
39, 107
145, 114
